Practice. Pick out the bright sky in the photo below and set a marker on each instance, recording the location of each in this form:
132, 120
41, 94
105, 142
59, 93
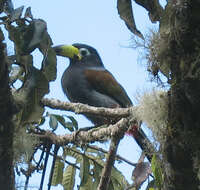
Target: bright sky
96, 23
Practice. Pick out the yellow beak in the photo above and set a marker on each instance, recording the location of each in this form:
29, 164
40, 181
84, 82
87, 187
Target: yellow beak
67, 51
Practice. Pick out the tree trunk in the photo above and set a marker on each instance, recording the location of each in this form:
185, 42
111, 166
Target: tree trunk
6, 125
180, 31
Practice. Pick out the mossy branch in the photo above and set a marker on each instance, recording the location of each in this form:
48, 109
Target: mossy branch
80, 108
83, 137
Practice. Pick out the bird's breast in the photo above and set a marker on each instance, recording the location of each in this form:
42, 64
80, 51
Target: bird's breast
74, 85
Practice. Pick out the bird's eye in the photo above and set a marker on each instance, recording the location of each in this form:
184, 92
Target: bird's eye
84, 52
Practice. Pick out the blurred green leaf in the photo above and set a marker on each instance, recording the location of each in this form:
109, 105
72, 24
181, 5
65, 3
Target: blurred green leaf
39, 28
111, 186
29, 95
8, 6
58, 173
73, 152
152, 185
27, 37
69, 178
49, 63
74, 122
91, 151
16, 73
53, 123
97, 174
89, 185
61, 120
125, 11
16, 13
118, 180
84, 170
28, 13
21, 37
42, 121
157, 171
69, 126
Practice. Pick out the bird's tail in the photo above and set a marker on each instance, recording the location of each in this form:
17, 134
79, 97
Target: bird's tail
142, 140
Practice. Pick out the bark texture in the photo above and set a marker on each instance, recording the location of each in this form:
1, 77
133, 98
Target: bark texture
6, 125
180, 32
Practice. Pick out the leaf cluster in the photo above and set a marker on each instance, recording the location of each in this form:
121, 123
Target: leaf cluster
89, 165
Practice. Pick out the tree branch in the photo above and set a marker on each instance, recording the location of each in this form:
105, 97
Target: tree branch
117, 135
117, 156
80, 108
102, 133
106, 172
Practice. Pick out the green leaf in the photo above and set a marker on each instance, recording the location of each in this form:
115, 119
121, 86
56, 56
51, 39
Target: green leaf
28, 13
16, 73
157, 171
118, 180
69, 126
58, 173
69, 178
74, 122
92, 151
152, 185
39, 30
97, 160
60, 119
53, 123
7, 7
30, 94
88, 185
49, 66
97, 174
16, 13
98, 154
125, 11
111, 186
68, 151
84, 170
116, 184
49, 63
27, 37
42, 121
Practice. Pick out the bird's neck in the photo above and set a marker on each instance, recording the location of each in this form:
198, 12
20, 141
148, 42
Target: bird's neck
90, 64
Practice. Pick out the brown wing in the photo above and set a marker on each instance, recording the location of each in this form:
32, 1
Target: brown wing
104, 82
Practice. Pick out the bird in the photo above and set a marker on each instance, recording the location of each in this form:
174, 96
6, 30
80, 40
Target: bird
87, 81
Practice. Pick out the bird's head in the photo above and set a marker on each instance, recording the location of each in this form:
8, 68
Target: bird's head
79, 54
